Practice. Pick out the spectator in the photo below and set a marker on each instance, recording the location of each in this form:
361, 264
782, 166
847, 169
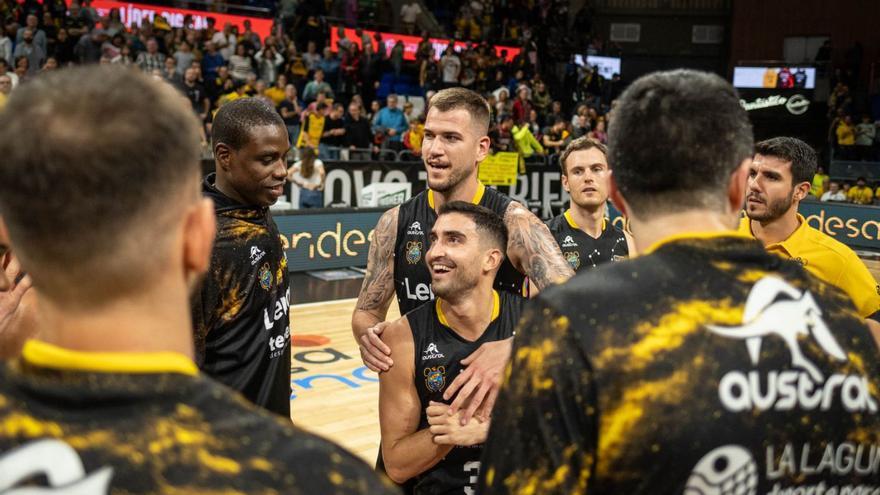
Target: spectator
556, 137
63, 48
4, 70
865, 134
846, 138
290, 109
269, 63
599, 133
313, 127
22, 67
351, 71
396, 59
311, 57
221, 84
409, 15
429, 73
818, 184
240, 65
408, 113
277, 92
581, 126
114, 22
358, 134
330, 64
379, 46
861, 194
196, 94
317, 85
51, 64
38, 36
308, 175
501, 135
225, 41
555, 112
450, 67
169, 73
534, 123
541, 98
184, 57
391, 123
522, 106
249, 37
5, 46
211, 61
113, 47
834, 194
413, 138
5, 89
152, 58
333, 137
525, 141
30, 51
77, 23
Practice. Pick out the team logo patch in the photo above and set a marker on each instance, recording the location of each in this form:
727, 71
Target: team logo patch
413, 252
802, 261
435, 378
728, 470
573, 258
569, 242
415, 229
265, 276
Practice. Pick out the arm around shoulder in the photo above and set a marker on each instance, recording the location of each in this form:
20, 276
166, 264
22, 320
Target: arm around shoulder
532, 249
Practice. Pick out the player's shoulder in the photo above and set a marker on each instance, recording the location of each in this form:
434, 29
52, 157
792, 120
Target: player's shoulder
556, 223
831, 246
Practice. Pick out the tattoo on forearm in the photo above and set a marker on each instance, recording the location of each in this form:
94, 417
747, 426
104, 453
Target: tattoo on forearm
532, 247
378, 286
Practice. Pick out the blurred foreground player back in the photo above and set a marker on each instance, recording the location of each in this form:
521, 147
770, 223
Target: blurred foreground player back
99, 188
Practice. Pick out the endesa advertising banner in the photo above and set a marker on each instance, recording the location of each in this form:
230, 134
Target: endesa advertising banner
411, 44
133, 14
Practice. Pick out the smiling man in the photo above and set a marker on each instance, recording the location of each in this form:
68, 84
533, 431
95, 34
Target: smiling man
779, 179
583, 233
241, 313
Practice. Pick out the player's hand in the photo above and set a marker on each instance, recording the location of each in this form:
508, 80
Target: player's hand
447, 429
478, 384
375, 354
11, 294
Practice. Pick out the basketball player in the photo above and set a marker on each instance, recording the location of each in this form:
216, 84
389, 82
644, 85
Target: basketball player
109, 399
420, 441
455, 142
583, 233
779, 179
17, 301
704, 365
241, 312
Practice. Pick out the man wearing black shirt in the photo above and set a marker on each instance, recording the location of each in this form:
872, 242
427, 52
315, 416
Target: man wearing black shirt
195, 93
358, 134
241, 313
333, 136
501, 136
291, 109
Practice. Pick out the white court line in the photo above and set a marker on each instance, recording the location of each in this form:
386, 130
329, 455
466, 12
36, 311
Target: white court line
321, 303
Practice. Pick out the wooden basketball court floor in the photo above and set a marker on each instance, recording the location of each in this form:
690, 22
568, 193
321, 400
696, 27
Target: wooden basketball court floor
335, 395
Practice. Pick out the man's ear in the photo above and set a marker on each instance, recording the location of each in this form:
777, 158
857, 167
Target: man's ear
802, 190
198, 239
565, 185
738, 186
493, 260
617, 198
483, 146
222, 156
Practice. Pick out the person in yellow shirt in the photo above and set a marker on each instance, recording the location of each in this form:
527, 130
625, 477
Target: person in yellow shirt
820, 182
276, 92
5, 89
770, 77
313, 127
779, 179
860, 194
415, 135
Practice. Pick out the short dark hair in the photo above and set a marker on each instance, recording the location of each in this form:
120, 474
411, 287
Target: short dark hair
675, 139
461, 98
580, 144
487, 221
801, 155
235, 119
96, 162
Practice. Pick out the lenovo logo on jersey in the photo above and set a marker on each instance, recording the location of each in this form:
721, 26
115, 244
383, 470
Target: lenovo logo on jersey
256, 255
422, 292
431, 352
568, 242
776, 309
415, 229
282, 308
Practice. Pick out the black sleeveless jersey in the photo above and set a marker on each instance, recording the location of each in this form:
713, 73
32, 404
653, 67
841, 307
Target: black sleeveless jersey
438, 354
412, 280
583, 251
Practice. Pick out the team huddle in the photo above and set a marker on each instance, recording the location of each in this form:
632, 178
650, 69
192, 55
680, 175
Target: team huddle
709, 347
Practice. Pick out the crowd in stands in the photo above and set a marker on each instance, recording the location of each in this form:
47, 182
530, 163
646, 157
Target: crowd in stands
852, 136
860, 192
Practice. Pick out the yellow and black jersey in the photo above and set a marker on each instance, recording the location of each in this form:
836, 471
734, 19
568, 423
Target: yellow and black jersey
98, 423
412, 279
705, 366
241, 312
581, 250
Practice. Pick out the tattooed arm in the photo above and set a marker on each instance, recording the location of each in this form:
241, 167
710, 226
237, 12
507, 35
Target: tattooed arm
532, 249
376, 294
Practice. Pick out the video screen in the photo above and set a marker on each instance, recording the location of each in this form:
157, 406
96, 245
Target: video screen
608, 66
774, 77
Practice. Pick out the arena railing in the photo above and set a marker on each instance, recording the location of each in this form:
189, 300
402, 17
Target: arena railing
851, 170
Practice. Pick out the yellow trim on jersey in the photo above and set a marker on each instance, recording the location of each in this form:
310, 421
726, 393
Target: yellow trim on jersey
496, 309
574, 225
49, 356
481, 189
695, 235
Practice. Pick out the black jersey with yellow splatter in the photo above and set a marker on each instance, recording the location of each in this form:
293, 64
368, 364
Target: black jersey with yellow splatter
89, 432
241, 311
706, 366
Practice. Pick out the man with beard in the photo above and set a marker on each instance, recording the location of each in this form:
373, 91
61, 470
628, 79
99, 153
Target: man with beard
583, 233
421, 442
455, 142
779, 179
